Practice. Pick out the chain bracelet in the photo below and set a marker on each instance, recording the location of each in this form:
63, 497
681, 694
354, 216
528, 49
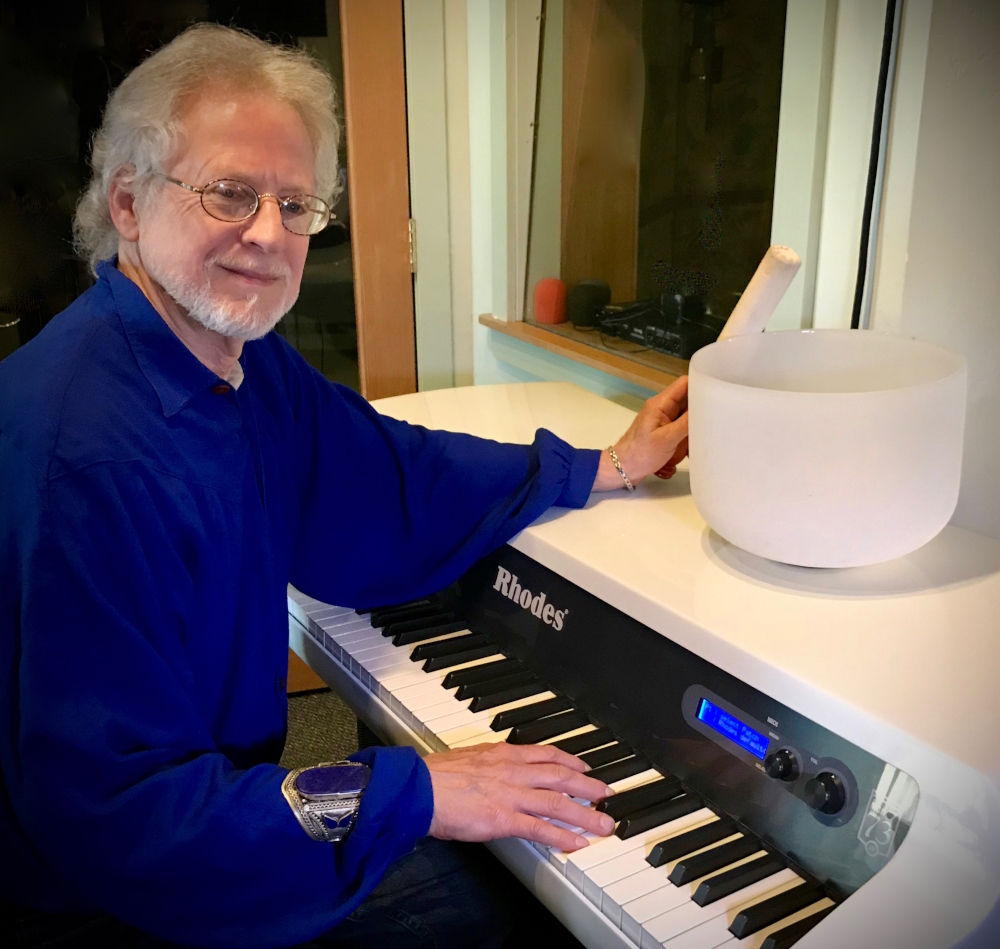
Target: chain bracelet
621, 470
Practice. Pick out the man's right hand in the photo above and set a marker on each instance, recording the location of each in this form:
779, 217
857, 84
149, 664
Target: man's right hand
490, 791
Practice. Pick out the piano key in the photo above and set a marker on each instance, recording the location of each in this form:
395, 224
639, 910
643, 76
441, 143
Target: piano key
756, 917
668, 851
714, 859
459, 658
690, 926
658, 814
619, 805
644, 895
586, 740
383, 618
469, 676
499, 683
530, 733
612, 861
610, 773
729, 881
573, 734
425, 633
495, 699
531, 712
787, 936
399, 606
450, 720
448, 647
490, 738
607, 754
559, 858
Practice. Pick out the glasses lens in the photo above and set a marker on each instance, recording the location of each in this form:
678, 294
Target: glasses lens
229, 200
304, 213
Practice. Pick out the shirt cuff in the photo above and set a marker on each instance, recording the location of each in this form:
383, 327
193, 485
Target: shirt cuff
580, 478
398, 796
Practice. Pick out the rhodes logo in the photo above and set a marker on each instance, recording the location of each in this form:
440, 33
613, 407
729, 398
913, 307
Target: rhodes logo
507, 584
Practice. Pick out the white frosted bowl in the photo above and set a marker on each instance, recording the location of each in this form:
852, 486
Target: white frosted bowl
826, 448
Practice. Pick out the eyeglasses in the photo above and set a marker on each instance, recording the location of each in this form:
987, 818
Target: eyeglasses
232, 201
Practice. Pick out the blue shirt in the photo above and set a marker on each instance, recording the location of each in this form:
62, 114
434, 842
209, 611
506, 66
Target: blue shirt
149, 525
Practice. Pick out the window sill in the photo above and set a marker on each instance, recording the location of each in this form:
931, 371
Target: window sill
651, 370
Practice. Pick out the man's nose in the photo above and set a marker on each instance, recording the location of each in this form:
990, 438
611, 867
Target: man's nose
265, 228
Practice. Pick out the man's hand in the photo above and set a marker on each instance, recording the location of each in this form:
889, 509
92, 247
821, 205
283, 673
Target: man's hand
490, 791
655, 442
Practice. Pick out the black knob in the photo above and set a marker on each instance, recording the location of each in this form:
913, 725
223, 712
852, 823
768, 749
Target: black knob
825, 793
782, 765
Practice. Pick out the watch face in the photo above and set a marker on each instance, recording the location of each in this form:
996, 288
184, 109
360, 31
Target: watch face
335, 781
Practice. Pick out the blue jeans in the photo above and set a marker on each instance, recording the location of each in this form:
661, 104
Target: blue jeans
440, 896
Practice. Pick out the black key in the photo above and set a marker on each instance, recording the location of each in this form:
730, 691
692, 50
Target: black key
755, 918
620, 770
448, 646
483, 702
428, 632
657, 814
457, 658
580, 743
415, 625
531, 733
784, 938
603, 756
499, 684
385, 617
489, 670
675, 847
529, 713
398, 606
702, 864
638, 799
714, 888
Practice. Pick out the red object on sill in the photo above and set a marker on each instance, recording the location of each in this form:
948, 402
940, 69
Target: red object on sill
550, 301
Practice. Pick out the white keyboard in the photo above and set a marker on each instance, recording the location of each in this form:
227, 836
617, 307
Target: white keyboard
675, 874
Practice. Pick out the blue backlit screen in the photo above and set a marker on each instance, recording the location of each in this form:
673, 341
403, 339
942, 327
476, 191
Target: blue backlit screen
725, 724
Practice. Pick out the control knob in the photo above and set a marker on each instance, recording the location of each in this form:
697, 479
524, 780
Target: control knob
782, 765
825, 793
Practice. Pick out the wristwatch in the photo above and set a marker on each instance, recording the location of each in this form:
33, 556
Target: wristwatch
325, 798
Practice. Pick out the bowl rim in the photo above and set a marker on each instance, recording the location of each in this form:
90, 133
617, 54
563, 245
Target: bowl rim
960, 368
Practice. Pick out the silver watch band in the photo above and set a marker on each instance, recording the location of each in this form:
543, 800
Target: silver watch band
327, 821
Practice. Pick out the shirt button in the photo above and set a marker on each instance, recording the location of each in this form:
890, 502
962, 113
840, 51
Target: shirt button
220, 389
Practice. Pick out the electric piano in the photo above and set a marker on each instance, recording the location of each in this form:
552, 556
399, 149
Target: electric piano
800, 757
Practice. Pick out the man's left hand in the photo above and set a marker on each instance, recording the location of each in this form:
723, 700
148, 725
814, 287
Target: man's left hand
655, 442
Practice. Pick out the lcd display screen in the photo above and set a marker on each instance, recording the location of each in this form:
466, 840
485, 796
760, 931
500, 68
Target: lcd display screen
735, 730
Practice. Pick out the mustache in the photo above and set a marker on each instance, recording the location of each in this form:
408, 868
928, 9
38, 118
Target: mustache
253, 267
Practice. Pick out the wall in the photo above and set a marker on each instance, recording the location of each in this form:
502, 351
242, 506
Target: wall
951, 286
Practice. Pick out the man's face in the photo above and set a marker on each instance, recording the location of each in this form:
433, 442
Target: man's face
238, 279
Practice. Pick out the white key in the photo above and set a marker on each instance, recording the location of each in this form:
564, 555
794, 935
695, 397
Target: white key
576, 731
693, 926
490, 738
661, 899
617, 862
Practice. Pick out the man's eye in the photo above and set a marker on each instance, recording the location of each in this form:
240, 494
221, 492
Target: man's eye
293, 207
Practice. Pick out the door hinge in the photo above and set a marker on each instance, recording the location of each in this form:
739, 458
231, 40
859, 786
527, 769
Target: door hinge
413, 246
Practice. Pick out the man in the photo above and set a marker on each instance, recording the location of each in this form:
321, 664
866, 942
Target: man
168, 466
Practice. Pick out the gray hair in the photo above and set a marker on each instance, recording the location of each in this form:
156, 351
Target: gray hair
141, 124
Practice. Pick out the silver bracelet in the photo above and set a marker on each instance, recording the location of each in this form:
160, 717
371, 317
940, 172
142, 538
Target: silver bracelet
621, 470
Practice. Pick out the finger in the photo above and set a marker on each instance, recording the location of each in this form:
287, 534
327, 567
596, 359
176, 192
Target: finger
534, 828
671, 400
669, 437
680, 453
666, 472
533, 754
557, 778
558, 807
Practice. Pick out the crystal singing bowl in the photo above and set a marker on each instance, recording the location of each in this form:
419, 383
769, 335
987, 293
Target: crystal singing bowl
826, 448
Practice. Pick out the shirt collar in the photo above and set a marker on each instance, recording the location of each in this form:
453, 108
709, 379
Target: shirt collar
170, 367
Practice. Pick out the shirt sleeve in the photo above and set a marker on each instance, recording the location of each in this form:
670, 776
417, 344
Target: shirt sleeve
113, 774
392, 511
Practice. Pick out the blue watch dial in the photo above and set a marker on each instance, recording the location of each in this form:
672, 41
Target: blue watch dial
333, 781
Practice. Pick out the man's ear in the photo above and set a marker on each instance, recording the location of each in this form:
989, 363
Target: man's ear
121, 203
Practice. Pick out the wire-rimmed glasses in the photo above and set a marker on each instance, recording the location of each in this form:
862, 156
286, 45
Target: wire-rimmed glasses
232, 201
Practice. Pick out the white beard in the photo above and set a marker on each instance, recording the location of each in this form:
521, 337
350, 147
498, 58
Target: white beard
244, 319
